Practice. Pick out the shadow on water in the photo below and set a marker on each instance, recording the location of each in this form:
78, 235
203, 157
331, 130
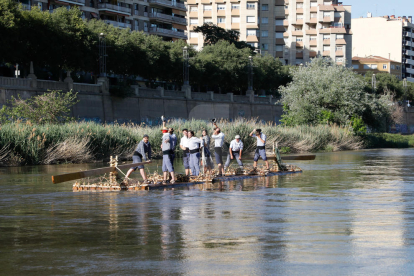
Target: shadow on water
342, 215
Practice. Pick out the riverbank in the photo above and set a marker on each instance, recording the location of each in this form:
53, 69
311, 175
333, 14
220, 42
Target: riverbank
28, 144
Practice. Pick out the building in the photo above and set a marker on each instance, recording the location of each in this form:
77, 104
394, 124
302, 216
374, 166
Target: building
388, 36
293, 30
159, 17
375, 64
229, 14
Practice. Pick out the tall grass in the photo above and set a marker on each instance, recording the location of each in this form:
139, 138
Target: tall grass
85, 141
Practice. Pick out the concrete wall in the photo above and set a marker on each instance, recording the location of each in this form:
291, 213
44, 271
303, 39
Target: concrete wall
105, 108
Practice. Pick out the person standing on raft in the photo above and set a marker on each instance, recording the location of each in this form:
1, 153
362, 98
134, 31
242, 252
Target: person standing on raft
235, 152
167, 154
194, 145
186, 151
140, 154
260, 150
218, 137
208, 161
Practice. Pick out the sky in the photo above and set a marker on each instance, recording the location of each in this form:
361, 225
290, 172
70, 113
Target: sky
380, 7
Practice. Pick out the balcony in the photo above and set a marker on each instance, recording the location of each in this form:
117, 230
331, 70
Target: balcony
167, 3
407, 43
73, 2
312, 53
179, 20
160, 16
105, 7
117, 24
311, 32
166, 32
408, 52
409, 70
409, 61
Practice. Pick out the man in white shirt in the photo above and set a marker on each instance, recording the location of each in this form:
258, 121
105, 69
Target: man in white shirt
218, 137
260, 150
186, 151
194, 145
235, 152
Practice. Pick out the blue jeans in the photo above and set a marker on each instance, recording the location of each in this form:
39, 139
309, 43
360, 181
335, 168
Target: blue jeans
186, 160
166, 163
195, 163
235, 156
260, 153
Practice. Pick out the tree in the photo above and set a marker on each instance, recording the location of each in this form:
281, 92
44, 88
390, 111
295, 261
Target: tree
213, 34
324, 92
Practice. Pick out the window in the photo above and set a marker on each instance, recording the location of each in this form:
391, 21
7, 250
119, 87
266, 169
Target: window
326, 14
208, 20
251, 19
221, 20
251, 6
194, 46
339, 59
299, 39
299, 17
339, 36
299, 61
326, 37
326, 48
265, 7
265, 46
278, 22
252, 44
384, 66
339, 48
370, 66
136, 24
286, 41
235, 6
398, 67
355, 66
265, 20
299, 5
193, 21
313, 48
207, 7
235, 19
367, 66
313, 15
279, 35
265, 33
251, 32
221, 7
327, 3
392, 67
313, 4
193, 8
312, 37
193, 34
279, 48
337, 14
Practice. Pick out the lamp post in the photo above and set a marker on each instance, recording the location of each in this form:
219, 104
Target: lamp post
373, 83
250, 77
102, 55
186, 73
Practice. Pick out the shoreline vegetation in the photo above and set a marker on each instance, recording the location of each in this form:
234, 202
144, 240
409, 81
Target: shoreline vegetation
24, 143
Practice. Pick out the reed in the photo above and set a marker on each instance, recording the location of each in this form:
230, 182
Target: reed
87, 141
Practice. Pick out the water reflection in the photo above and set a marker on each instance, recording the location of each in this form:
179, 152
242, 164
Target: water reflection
345, 212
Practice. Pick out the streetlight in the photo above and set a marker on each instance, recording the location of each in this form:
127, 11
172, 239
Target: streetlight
373, 83
186, 72
102, 55
250, 77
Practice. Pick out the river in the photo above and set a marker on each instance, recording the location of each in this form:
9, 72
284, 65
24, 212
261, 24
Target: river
348, 213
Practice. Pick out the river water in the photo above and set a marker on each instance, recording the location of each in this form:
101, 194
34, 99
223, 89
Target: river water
347, 213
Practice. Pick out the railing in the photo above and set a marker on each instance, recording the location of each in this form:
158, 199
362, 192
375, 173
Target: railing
80, 2
221, 97
118, 24
161, 16
114, 8
52, 85
85, 87
241, 99
156, 30
174, 94
15, 82
136, 12
150, 93
169, 3
180, 20
200, 96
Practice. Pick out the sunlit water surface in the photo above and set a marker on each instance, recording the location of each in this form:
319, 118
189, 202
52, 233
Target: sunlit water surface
348, 213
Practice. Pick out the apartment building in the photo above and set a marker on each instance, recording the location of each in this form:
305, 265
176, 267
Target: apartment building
159, 17
304, 29
376, 64
240, 15
388, 36
293, 30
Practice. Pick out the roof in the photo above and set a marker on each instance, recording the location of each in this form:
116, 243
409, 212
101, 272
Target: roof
373, 59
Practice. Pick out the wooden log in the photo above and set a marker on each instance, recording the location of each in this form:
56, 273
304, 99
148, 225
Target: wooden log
295, 157
77, 175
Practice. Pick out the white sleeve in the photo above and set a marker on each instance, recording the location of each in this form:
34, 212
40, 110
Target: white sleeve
264, 137
181, 141
231, 144
241, 145
215, 136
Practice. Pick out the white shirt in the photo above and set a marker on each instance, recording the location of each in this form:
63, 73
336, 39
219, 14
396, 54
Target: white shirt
260, 143
218, 140
195, 143
184, 142
236, 146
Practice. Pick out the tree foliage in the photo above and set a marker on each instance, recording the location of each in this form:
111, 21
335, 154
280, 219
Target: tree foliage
323, 92
49, 108
213, 34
